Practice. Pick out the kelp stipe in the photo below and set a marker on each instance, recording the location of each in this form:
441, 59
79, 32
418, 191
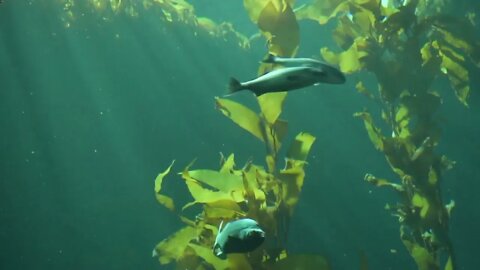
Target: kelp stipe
407, 47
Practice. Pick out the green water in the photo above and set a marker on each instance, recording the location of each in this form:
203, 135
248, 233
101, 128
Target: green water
90, 114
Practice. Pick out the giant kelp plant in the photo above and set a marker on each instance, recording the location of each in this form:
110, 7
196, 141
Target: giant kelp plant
267, 195
407, 47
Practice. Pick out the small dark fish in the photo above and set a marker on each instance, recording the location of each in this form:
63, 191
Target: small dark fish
239, 236
273, 59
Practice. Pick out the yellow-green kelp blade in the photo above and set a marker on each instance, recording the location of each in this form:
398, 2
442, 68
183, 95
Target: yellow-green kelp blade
301, 146
322, 10
255, 7
271, 105
373, 132
241, 115
172, 248
422, 257
163, 199
279, 25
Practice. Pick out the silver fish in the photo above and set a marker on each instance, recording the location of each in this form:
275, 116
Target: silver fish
332, 74
285, 79
239, 236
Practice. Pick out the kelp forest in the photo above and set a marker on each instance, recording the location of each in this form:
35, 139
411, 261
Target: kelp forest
426, 41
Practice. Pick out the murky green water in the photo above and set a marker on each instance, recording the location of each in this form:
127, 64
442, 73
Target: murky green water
90, 114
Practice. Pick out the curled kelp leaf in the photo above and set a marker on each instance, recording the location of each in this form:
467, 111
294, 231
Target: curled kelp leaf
163, 199
300, 147
374, 133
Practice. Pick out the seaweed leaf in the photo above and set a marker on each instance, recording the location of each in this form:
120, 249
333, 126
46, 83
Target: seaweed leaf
255, 7
228, 164
422, 203
271, 105
380, 182
292, 182
220, 210
225, 182
453, 65
203, 194
301, 146
322, 10
241, 115
374, 133
172, 248
449, 264
402, 120
422, 256
209, 257
163, 199
280, 27
351, 60
364, 91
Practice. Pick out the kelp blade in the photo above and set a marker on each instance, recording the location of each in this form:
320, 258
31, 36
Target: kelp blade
241, 115
163, 199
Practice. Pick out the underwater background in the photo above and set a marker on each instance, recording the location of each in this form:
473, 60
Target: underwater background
92, 110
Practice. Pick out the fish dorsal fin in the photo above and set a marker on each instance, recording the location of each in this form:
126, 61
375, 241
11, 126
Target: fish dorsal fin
270, 58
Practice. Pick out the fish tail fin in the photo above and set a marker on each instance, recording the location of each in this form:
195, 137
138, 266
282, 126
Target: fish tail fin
270, 58
234, 86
